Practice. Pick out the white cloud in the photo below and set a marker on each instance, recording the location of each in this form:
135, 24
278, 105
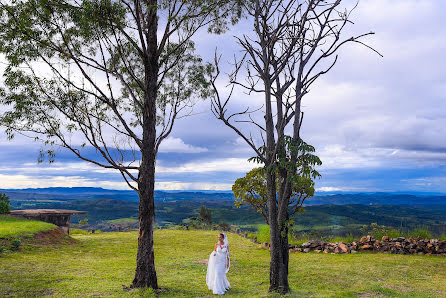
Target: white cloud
178, 185
228, 164
172, 144
25, 181
335, 189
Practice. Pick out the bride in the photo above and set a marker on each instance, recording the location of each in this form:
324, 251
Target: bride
218, 266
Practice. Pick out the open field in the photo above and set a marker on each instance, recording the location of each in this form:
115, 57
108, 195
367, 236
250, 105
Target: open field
99, 264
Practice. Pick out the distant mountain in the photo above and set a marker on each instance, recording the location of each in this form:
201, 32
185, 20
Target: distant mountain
377, 199
89, 193
93, 193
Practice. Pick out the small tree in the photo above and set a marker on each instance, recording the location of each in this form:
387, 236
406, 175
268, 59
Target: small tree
4, 203
252, 189
205, 215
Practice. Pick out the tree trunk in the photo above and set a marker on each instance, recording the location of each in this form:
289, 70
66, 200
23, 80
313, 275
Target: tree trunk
283, 215
145, 275
275, 247
272, 201
283, 273
283, 223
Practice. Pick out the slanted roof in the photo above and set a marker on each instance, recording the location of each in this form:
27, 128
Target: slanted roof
37, 212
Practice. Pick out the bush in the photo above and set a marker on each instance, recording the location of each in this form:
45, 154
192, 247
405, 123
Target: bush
378, 231
2, 249
420, 232
16, 244
224, 226
4, 203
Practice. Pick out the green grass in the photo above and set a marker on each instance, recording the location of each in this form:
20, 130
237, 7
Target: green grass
11, 226
99, 264
127, 220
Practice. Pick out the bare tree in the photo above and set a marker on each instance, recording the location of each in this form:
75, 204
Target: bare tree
117, 74
294, 43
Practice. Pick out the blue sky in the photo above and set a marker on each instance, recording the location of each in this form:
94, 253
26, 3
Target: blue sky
378, 124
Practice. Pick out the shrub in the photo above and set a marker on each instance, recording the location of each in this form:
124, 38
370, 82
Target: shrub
16, 244
4, 203
378, 231
420, 232
224, 226
2, 249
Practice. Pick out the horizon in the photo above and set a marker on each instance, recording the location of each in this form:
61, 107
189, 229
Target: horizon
228, 191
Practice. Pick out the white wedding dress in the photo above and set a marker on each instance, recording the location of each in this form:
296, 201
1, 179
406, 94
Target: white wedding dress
218, 266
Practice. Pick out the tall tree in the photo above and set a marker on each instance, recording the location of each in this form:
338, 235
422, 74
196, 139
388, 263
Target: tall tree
4, 203
293, 43
205, 214
114, 74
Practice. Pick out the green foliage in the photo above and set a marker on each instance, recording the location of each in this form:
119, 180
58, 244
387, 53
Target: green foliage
4, 203
78, 232
251, 190
294, 156
97, 37
205, 214
419, 232
83, 222
123, 221
2, 249
15, 244
262, 234
294, 165
379, 231
298, 159
195, 223
224, 226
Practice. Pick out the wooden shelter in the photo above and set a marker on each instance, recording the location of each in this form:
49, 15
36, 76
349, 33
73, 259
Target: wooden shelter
59, 217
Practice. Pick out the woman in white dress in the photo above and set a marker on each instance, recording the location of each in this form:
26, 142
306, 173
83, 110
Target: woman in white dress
218, 266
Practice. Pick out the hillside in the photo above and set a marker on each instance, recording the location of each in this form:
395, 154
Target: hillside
333, 214
100, 264
13, 227
325, 219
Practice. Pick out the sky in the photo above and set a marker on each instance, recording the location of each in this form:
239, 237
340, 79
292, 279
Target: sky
377, 123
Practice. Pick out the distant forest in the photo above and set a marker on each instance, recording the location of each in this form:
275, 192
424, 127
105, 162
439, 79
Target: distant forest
336, 214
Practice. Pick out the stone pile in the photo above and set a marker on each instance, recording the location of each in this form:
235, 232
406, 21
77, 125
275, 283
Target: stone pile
399, 245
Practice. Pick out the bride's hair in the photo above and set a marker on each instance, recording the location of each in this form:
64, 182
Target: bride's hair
223, 235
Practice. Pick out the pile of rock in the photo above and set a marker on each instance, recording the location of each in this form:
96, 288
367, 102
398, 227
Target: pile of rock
399, 245
325, 247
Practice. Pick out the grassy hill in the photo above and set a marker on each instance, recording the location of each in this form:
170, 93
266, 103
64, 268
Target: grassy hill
11, 226
99, 264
